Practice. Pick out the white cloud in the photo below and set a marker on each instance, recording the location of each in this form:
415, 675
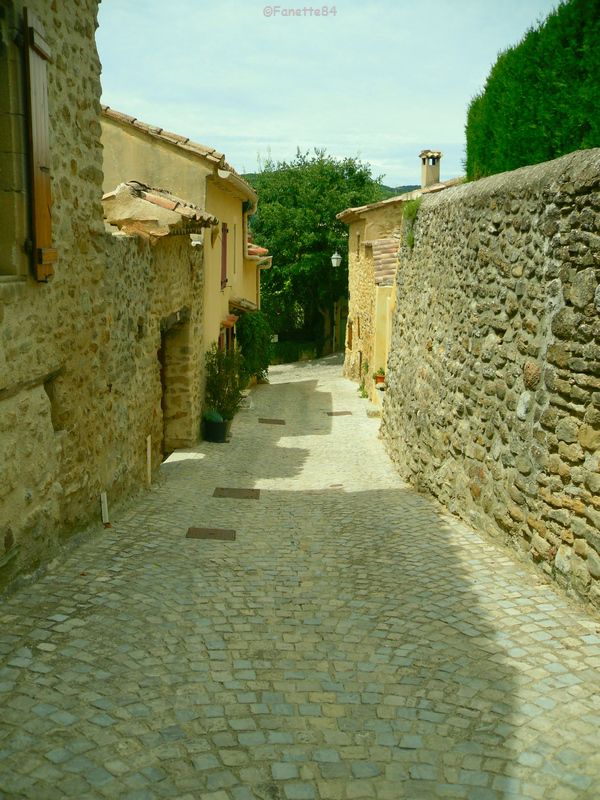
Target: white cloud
382, 78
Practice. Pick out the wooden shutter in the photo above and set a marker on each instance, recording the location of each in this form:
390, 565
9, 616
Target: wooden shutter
224, 232
38, 53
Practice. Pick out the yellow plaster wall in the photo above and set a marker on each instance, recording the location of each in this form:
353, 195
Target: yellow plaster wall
227, 208
381, 334
251, 289
133, 155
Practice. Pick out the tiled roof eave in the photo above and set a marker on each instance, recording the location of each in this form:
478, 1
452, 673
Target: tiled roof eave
141, 210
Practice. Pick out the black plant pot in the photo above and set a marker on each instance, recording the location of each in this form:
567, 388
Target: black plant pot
216, 431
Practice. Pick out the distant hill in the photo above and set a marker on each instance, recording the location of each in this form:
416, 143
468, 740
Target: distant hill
386, 191
391, 191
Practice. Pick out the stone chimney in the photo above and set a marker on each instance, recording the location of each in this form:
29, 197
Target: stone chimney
430, 167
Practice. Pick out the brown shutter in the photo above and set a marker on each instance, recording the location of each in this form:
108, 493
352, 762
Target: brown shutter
224, 232
38, 53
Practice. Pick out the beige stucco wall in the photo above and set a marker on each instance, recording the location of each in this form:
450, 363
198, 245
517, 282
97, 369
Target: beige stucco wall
241, 273
381, 336
493, 383
80, 378
130, 154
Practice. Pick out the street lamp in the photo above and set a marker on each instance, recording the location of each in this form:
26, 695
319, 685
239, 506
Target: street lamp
336, 259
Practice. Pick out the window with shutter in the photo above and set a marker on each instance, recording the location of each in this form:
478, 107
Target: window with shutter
224, 232
14, 223
37, 55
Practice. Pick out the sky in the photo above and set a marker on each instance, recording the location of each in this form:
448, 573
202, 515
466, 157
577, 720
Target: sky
378, 80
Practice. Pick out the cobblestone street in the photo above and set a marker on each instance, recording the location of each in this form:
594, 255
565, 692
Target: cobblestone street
352, 642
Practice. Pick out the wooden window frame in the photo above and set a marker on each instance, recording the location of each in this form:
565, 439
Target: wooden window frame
224, 232
234, 248
37, 56
14, 188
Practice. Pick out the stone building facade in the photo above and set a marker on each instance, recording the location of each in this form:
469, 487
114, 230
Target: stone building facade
98, 332
374, 233
135, 150
373, 243
493, 383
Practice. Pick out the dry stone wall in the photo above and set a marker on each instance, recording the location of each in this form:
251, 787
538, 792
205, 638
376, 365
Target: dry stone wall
81, 383
493, 382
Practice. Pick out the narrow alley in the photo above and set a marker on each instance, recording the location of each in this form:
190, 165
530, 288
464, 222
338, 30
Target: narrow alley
350, 642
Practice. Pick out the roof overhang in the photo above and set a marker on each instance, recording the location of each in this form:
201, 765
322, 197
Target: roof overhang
139, 210
353, 214
232, 183
241, 304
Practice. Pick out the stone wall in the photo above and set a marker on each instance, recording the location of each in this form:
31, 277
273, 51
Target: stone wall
493, 383
81, 384
360, 328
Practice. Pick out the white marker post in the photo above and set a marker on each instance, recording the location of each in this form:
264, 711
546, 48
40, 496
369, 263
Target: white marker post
104, 504
149, 459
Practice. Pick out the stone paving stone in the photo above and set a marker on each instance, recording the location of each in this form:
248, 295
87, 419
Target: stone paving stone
354, 642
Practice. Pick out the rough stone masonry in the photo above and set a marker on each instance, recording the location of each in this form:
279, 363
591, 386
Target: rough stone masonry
81, 383
493, 398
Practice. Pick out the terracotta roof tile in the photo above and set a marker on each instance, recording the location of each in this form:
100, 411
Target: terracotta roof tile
159, 200
255, 250
134, 207
385, 259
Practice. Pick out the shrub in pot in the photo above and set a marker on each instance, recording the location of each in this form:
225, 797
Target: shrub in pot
379, 376
223, 390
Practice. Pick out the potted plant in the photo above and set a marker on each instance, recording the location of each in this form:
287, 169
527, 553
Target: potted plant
223, 392
379, 375
215, 427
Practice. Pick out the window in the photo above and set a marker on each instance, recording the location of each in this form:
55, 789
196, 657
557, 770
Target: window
26, 206
24, 203
224, 232
358, 244
234, 248
37, 56
14, 229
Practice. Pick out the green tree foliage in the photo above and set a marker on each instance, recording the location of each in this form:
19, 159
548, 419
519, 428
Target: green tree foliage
542, 97
254, 338
298, 202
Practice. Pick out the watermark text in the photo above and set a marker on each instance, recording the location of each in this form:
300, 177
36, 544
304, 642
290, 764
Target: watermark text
305, 11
